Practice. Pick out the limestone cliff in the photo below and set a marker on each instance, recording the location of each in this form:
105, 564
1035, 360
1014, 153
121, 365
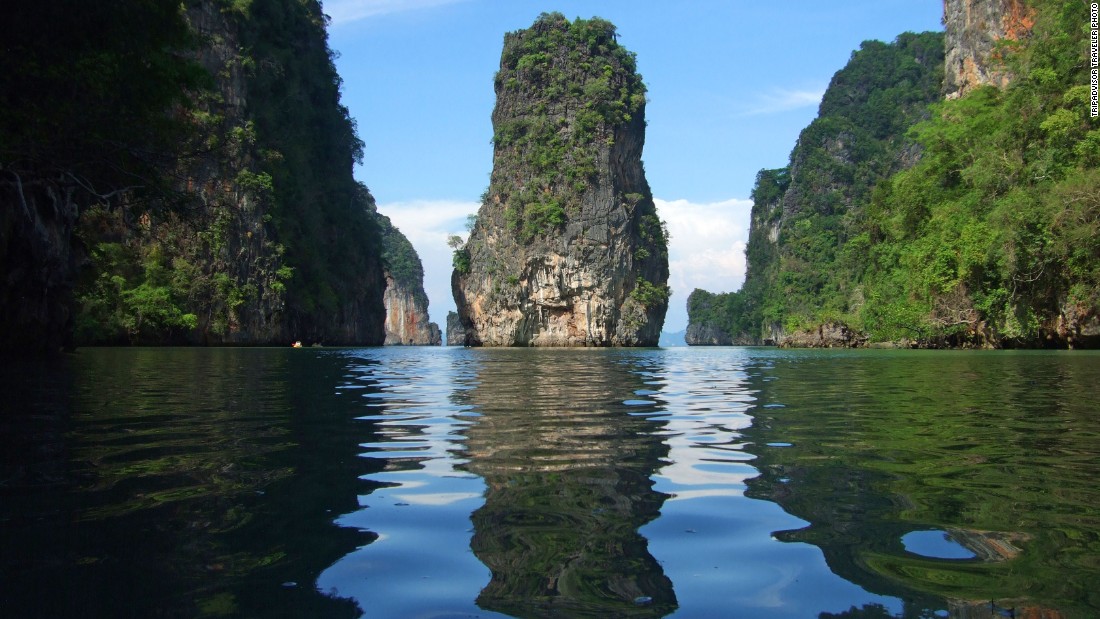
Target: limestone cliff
287, 246
456, 334
38, 262
567, 249
826, 335
406, 318
807, 248
218, 206
707, 335
972, 30
82, 121
405, 300
224, 235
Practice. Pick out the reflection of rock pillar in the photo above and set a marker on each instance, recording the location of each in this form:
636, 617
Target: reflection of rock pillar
568, 478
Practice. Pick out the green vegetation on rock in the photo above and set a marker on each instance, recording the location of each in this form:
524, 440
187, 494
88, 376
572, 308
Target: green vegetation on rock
648, 294
572, 85
969, 222
993, 237
204, 158
401, 260
801, 261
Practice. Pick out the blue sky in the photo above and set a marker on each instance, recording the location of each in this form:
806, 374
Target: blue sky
731, 84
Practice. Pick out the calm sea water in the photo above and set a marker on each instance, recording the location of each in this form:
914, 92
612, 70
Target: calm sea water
420, 482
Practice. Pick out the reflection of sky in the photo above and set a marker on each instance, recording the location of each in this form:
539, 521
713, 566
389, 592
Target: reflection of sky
421, 564
703, 406
713, 542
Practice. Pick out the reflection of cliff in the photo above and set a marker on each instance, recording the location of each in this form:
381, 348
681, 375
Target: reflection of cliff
568, 475
178, 483
882, 445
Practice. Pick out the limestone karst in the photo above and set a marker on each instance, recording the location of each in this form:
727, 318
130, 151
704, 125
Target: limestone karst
567, 248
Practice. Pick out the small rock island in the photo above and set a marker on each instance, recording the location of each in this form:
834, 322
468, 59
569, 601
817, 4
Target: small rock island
567, 248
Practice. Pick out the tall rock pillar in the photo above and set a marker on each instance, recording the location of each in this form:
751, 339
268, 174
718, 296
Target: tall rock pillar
567, 248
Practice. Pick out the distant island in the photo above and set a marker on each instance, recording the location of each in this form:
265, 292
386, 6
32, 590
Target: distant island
673, 338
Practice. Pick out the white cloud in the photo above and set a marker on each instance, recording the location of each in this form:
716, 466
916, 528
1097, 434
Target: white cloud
782, 100
346, 11
706, 249
427, 223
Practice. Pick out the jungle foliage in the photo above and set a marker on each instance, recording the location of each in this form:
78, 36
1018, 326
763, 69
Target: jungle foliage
964, 222
87, 91
994, 237
212, 157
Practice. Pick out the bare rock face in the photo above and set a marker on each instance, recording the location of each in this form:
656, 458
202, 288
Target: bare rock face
567, 249
406, 319
706, 335
456, 334
828, 335
973, 29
